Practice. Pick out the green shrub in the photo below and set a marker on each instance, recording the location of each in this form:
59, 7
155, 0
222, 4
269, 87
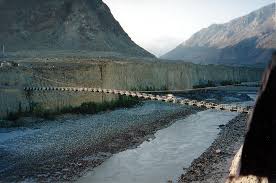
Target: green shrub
150, 88
12, 116
93, 108
205, 85
37, 110
229, 82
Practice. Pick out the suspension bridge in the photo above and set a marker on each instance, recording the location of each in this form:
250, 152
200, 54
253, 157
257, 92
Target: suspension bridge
146, 96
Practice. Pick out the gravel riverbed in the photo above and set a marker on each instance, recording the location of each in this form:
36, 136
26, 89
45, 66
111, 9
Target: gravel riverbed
64, 149
213, 165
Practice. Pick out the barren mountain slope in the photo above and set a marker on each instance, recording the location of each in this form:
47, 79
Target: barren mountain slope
246, 40
63, 25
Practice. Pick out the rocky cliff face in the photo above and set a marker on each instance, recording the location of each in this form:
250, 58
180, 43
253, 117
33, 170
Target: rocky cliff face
110, 74
246, 40
65, 26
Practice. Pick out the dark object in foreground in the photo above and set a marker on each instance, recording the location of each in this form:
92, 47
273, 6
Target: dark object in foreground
259, 150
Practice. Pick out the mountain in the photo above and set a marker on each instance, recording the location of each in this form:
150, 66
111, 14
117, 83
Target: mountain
246, 40
63, 26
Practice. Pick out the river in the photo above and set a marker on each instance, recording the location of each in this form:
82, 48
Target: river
43, 151
164, 157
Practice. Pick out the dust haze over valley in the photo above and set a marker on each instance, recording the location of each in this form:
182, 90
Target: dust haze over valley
164, 25
109, 91
247, 40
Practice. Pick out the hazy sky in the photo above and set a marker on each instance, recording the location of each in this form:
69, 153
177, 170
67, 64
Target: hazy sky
160, 25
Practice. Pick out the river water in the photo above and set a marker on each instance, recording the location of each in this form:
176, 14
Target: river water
162, 158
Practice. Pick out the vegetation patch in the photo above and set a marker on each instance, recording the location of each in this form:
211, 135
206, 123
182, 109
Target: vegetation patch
205, 85
38, 111
93, 108
208, 83
150, 88
229, 82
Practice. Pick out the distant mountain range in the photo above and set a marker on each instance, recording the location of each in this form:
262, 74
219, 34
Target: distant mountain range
246, 40
63, 26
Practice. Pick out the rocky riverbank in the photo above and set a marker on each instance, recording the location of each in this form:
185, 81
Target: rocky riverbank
213, 165
64, 149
